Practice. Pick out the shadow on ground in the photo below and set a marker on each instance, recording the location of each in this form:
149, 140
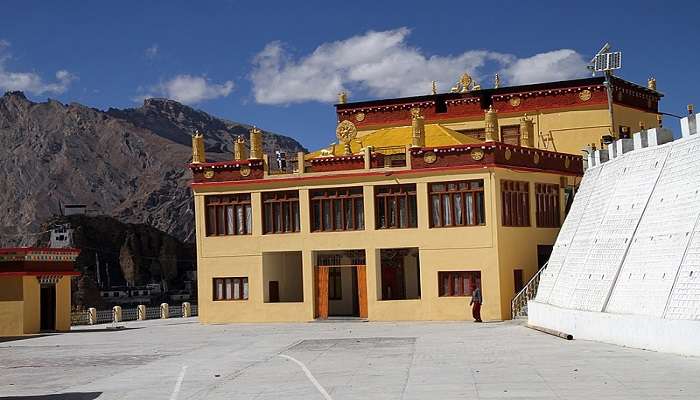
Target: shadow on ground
61, 396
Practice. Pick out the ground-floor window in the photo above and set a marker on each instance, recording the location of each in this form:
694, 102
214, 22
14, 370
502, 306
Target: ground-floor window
231, 288
458, 283
399, 274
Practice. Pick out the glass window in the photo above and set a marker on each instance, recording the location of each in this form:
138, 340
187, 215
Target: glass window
341, 209
228, 214
458, 283
515, 196
456, 203
231, 288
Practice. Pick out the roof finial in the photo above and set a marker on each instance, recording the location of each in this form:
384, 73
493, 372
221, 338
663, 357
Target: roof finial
651, 83
343, 97
434, 87
496, 81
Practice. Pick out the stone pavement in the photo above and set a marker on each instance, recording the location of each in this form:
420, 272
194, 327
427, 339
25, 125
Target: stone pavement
181, 359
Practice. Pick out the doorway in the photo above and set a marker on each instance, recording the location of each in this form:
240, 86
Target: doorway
340, 284
47, 300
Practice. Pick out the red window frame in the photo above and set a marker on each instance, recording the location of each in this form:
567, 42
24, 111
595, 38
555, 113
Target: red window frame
222, 214
515, 203
548, 213
458, 283
281, 212
340, 203
450, 193
241, 295
399, 199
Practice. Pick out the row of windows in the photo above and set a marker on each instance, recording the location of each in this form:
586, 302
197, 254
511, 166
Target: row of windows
450, 284
451, 204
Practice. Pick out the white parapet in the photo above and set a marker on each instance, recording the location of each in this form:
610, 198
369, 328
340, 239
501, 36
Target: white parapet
640, 140
689, 125
600, 156
659, 136
622, 146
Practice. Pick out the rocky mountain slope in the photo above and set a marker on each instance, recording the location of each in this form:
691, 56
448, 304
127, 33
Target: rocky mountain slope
129, 164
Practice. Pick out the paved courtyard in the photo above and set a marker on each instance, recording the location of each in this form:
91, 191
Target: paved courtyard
181, 359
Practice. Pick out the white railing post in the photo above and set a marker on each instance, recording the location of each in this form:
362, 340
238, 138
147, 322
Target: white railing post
92, 316
186, 310
164, 311
116, 314
518, 306
141, 312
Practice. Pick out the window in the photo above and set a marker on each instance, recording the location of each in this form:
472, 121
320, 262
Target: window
510, 134
340, 209
230, 289
395, 206
515, 199
228, 215
335, 284
518, 282
281, 212
547, 197
456, 203
458, 283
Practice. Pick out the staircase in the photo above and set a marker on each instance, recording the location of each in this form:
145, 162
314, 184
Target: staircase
518, 306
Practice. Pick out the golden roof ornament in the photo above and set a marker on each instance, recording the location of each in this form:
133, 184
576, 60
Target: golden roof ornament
651, 83
476, 86
434, 87
239, 148
491, 125
527, 132
342, 97
346, 132
496, 81
417, 128
464, 82
256, 151
198, 155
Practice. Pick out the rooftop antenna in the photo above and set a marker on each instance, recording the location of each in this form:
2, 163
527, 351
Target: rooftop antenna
607, 61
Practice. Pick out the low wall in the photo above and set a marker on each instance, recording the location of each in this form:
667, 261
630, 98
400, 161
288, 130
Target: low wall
643, 332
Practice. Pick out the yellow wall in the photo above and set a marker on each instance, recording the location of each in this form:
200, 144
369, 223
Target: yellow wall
63, 304
32, 305
11, 306
571, 130
491, 249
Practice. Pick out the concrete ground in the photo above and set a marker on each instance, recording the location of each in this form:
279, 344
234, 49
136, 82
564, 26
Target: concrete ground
181, 359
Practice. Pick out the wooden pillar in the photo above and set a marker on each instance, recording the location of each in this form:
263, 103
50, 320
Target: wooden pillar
362, 289
322, 292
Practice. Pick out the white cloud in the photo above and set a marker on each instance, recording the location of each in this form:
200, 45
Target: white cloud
30, 81
189, 89
151, 52
383, 64
555, 65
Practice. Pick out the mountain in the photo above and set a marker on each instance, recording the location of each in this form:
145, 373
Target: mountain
129, 164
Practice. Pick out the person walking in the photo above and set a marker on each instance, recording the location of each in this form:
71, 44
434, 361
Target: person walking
476, 304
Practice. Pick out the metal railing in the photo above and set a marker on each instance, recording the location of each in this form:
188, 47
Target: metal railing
518, 306
82, 317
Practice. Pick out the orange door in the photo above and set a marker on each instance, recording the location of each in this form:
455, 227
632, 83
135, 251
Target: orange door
322, 292
362, 289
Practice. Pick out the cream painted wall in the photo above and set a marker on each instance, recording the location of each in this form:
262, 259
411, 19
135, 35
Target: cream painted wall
11, 306
442, 249
32, 310
63, 304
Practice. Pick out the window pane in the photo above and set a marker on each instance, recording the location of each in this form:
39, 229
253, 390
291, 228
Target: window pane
469, 208
459, 208
480, 214
447, 207
437, 187
268, 217
392, 212
245, 288
403, 217
380, 203
338, 214
316, 211
436, 210
240, 216
348, 214
229, 220
360, 214
295, 216
236, 289
229, 289
287, 217
412, 212
220, 221
277, 215
219, 289
211, 220
326, 215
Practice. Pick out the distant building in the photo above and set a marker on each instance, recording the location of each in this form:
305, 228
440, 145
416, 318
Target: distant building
74, 209
61, 236
35, 289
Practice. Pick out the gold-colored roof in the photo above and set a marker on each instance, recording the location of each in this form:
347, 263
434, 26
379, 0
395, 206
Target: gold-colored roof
399, 137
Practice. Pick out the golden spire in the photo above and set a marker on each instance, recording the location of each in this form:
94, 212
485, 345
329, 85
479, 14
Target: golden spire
256, 151
527, 133
651, 83
342, 97
417, 128
476, 86
496, 81
239, 149
491, 125
198, 155
434, 87
464, 81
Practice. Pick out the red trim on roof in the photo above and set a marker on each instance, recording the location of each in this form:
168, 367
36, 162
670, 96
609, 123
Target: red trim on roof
50, 250
39, 273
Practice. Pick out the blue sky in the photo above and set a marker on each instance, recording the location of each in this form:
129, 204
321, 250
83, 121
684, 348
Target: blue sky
280, 64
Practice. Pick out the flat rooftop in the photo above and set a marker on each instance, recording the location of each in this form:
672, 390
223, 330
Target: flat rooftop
181, 359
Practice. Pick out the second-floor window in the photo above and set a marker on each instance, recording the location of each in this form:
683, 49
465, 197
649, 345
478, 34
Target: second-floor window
457, 203
337, 209
547, 197
229, 214
515, 197
395, 206
281, 212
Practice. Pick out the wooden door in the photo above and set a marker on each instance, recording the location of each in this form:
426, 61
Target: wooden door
48, 308
362, 289
322, 292
274, 291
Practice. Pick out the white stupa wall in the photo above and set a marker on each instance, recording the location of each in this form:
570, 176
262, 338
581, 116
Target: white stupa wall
628, 254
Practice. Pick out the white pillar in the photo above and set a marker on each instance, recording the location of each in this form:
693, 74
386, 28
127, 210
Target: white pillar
141, 311
164, 310
92, 316
117, 314
186, 310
